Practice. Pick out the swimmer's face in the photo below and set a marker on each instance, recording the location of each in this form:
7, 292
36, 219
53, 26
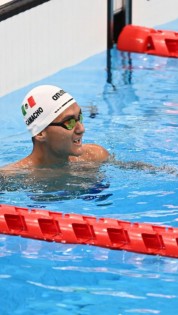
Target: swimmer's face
61, 141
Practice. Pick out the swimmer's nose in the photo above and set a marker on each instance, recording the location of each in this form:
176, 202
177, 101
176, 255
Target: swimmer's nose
79, 128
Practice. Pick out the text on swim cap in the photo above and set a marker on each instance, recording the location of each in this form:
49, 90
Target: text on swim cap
34, 116
58, 95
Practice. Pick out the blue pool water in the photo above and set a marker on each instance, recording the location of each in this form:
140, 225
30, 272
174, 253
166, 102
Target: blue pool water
136, 119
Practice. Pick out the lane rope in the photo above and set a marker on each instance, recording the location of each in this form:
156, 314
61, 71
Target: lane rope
148, 40
80, 229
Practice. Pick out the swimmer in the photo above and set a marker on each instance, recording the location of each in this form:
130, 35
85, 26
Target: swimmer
55, 122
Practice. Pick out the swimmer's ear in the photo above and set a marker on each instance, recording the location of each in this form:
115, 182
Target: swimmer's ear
41, 136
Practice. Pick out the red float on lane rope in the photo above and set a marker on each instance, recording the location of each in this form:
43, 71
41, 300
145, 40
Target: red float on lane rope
80, 229
148, 40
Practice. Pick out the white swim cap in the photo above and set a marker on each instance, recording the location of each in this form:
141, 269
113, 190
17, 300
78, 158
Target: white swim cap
42, 105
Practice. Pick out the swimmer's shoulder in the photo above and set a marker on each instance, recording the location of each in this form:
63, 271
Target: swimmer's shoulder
93, 153
22, 164
8, 167
96, 152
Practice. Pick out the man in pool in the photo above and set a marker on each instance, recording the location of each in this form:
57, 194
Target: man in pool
55, 122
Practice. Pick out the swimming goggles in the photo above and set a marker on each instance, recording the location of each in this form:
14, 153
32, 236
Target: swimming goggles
69, 123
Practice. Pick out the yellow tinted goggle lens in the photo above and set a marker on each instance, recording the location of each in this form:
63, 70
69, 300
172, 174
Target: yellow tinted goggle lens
70, 124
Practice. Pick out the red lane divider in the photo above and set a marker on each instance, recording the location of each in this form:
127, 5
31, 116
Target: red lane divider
80, 229
148, 40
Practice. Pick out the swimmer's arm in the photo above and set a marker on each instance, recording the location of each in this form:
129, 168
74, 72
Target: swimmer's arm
137, 165
96, 153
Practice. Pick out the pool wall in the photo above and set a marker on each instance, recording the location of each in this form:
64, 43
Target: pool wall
58, 34
150, 13
50, 37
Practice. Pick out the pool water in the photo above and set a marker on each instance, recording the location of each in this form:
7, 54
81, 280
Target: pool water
136, 119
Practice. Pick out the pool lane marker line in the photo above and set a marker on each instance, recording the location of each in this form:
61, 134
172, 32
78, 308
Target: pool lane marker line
81, 229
